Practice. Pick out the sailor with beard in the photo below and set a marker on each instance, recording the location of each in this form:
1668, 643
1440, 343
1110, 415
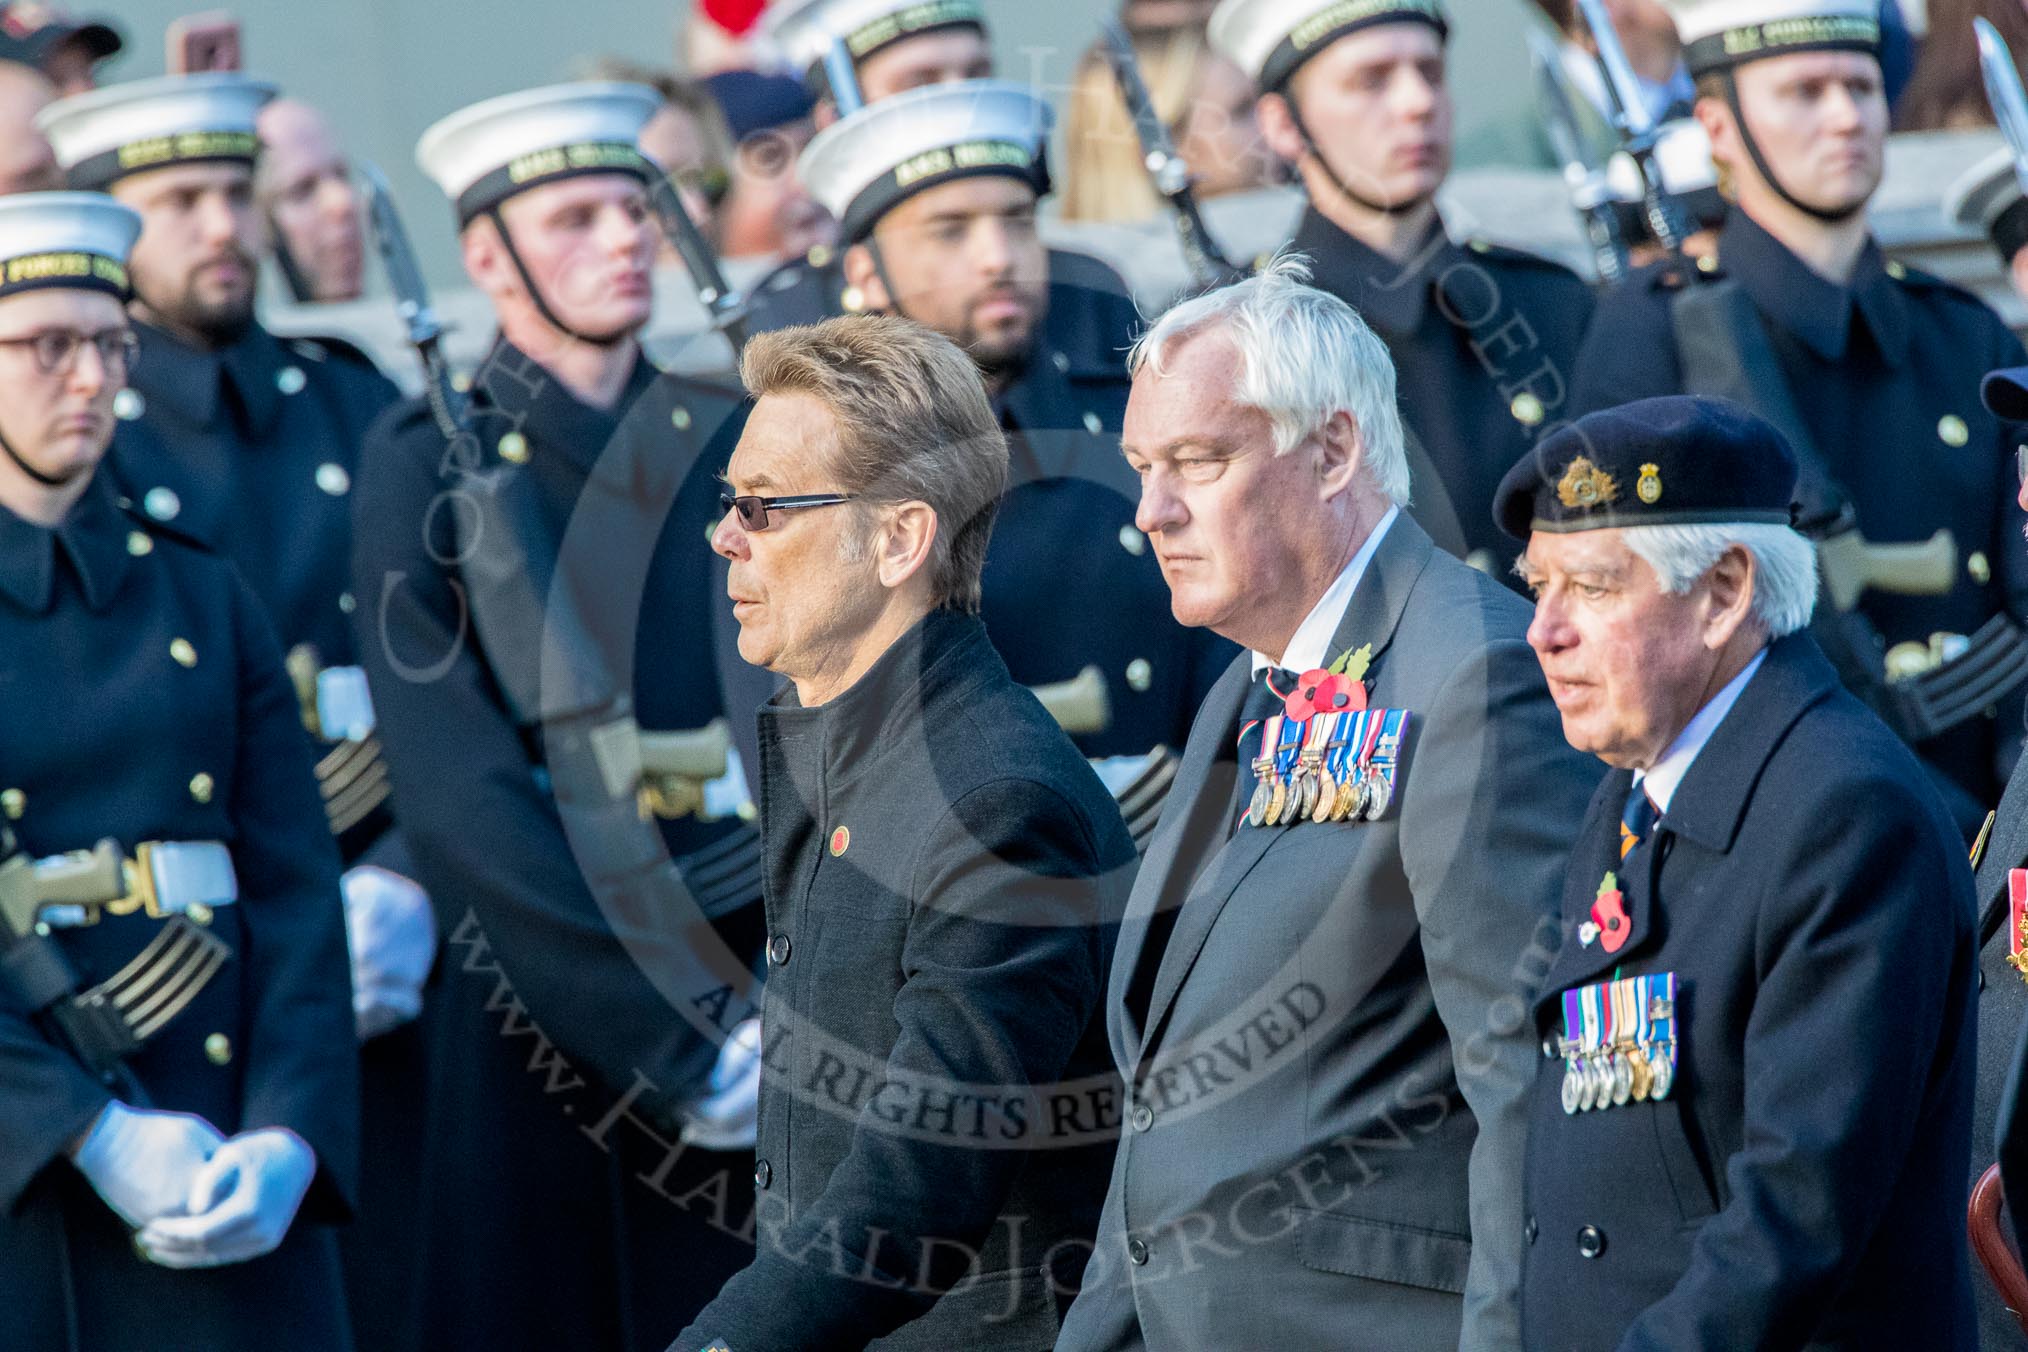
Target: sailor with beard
1870, 368
936, 190
248, 444
1354, 95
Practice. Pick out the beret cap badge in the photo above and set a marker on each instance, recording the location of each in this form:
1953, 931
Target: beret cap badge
1585, 485
1648, 488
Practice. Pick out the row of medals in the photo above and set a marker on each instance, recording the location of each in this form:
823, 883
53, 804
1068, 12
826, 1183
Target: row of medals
1310, 792
1610, 1077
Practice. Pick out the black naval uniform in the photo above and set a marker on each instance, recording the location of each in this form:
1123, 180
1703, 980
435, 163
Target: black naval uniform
944, 878
252, 449
543, 1017
1484, 340
1884, 373
1069, 582
146, 701
1802, 1185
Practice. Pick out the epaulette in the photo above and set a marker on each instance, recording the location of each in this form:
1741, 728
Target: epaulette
323, 347
1675, 273
1502, 253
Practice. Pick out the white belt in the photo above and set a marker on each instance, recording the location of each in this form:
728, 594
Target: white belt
164, 878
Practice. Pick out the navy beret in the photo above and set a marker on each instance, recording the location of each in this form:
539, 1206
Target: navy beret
754, 101
1674, 461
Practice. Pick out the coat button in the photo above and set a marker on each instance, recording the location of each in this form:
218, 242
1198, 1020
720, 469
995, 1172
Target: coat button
1144, 1117
1529, 1231
513, 448
291, 380
679, 418
218, 1049
1093, 423
778, 951
129, 405
1140, 675
763, 1174
1133, 541
1549, 1049
139, 543
183, 652
1137, 1252
1591, 1242
333, 479
161, 503
13, 802
201, 786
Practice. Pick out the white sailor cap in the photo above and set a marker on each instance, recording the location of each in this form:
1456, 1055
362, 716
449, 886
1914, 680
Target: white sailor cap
1988, 198
861, 166
105, 135
804, 30
73, 239
482, 155
1720, 34
1269, 39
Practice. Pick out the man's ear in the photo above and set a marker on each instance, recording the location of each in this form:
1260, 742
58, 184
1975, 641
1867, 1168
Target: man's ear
485, 257
863, 277
903, 545
1730, 583
1277, 123
1341, 456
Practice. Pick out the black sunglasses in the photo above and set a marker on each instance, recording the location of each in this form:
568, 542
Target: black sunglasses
753, 511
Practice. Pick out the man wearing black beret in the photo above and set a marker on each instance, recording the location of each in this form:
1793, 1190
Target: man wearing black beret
1749, 1125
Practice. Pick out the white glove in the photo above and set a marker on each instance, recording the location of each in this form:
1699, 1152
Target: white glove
240, 1204
725, 1117
393, 939
141, 1160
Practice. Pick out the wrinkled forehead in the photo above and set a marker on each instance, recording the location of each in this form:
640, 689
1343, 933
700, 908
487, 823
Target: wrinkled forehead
1579, 553
789, 445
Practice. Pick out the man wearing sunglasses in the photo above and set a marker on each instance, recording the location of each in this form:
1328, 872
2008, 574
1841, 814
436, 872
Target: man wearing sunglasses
575, 489
943, 873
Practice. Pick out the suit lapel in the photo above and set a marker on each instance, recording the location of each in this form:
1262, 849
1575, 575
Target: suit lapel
1370, 618
1192, 828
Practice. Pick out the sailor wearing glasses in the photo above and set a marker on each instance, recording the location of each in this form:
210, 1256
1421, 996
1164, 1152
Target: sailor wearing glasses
564, 519
166, 1173
943, 874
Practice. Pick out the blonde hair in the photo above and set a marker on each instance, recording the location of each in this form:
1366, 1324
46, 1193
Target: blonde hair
914, 425
1105, 178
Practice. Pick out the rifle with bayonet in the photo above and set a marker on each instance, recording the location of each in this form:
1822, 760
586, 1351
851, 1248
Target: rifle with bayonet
1640, 134
1167, 171
725, 308
412, 302
1590, 190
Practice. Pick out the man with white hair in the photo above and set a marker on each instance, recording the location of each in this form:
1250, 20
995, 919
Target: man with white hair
1319, 996
1751, 1121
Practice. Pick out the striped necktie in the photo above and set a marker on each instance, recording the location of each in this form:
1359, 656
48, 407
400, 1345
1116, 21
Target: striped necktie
1637, 820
